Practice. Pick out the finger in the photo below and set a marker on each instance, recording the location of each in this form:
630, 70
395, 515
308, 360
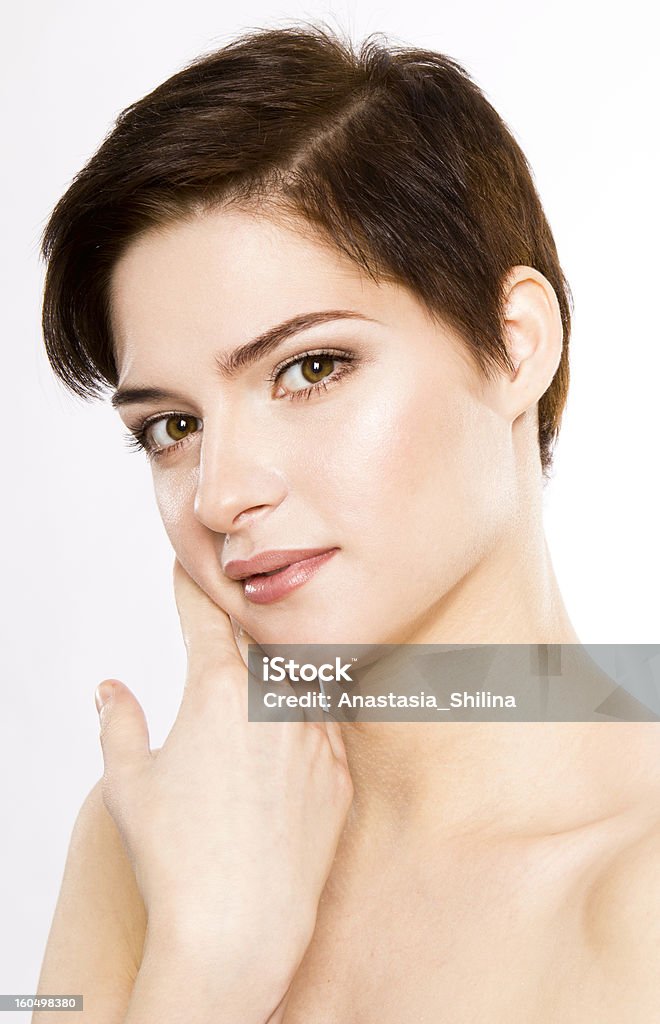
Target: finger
242, 640
124, 730
262, 712
336, 739
206, 627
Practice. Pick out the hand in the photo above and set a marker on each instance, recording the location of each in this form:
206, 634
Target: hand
231, 826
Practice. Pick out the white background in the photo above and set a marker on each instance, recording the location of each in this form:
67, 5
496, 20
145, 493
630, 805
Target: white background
86, 567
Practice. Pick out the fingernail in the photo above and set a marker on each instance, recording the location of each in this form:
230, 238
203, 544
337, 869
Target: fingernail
103, 692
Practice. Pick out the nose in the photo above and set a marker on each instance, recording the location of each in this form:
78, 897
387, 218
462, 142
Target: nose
238, 482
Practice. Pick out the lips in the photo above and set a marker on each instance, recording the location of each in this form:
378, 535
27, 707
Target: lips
269, 561
272, 575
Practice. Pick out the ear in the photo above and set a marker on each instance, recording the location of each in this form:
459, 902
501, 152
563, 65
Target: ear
534, 338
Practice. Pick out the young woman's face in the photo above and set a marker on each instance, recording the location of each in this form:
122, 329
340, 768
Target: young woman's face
368, 436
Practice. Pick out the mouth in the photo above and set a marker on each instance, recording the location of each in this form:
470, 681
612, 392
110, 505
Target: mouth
273, 575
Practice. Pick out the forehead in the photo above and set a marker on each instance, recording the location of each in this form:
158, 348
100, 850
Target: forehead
224, 276
232, 271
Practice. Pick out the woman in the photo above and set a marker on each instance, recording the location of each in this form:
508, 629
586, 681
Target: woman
324, 292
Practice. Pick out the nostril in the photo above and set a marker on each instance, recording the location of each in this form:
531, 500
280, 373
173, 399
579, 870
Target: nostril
249, 513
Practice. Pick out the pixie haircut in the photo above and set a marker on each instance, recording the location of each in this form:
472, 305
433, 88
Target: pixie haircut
391, 154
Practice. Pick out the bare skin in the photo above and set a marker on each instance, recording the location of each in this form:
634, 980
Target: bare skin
554, 922
464, 900
506, 872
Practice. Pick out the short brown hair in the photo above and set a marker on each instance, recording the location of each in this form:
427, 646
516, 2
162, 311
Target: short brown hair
392, 153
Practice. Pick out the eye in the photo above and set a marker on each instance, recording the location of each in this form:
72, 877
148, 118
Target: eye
167, 431
308, 371
160, 435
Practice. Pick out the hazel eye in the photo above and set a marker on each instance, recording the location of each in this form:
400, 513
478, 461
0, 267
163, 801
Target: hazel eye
309, 370
167, 431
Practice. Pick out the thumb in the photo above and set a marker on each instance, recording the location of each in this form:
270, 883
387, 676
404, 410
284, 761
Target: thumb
242, 639
124, 730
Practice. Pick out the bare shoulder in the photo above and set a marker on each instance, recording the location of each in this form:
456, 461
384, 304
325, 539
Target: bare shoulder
628, 882
623, 911
96, 937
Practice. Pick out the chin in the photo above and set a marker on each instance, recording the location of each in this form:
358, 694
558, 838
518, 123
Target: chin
298, 631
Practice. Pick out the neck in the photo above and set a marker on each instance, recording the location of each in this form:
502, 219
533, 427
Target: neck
510, 597
441, 780
500, 777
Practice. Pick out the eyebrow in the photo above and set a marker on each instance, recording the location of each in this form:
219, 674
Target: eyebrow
245, 355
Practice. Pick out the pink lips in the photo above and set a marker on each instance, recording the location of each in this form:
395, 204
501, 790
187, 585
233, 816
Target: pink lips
291, 570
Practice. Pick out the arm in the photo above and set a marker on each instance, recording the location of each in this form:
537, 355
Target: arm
229, 832
97, 945
96, 937
174, 986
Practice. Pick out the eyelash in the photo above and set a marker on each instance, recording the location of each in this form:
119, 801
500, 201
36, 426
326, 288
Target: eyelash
137, 440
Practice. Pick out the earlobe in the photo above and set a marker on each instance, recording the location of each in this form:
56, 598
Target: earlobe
534, 338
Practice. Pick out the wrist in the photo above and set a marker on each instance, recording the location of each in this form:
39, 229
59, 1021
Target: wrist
195, 984
224, 961
212, 941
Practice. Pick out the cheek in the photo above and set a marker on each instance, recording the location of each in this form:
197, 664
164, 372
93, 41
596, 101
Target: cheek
175, 494
418, 470
393, 450
194, 545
